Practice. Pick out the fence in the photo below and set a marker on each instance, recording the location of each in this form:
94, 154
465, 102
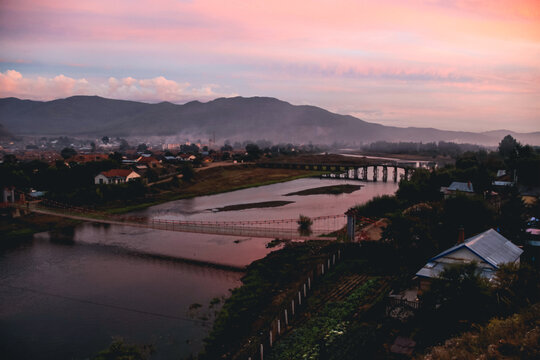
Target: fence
290, 309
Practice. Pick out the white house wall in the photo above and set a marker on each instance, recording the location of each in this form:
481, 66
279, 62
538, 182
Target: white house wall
462, 255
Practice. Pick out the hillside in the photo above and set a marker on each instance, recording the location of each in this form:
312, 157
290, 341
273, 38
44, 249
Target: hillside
235, 118
4, 134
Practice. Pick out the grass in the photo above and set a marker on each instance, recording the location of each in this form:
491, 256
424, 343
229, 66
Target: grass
25, 226
257, 205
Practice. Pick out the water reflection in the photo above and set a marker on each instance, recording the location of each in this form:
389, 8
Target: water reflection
60, 302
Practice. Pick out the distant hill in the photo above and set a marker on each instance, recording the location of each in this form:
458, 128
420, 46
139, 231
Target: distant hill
4, 134
235, 118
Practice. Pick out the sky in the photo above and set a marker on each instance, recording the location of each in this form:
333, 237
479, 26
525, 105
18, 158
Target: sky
471, 65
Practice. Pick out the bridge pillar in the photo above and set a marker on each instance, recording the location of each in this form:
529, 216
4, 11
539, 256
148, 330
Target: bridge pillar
385, 173
375, 173
351, 225
356, 177
406, 176
364, 170
395, 173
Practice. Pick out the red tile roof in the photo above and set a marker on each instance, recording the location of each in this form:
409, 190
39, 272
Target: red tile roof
147, 160
117, 173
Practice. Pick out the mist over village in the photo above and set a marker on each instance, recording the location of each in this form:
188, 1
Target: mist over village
270, 180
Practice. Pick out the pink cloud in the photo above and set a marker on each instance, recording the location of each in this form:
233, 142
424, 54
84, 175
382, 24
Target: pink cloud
13, 83
386, 53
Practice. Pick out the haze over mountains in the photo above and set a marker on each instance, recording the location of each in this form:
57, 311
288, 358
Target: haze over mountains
235, 118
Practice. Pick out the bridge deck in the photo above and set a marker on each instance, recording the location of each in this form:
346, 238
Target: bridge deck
218, 228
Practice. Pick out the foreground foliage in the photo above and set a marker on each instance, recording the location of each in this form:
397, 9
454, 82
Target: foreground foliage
516, 337
253, 302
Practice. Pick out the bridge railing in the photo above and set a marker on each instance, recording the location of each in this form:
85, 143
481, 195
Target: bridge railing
277, 228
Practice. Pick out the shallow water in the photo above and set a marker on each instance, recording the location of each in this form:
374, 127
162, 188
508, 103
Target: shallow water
65, 296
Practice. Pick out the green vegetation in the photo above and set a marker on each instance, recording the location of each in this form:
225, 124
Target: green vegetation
317, 335
304, 225
25, 226
266, 283
119, 350
432, 149
515, 337
258, 205
330, 190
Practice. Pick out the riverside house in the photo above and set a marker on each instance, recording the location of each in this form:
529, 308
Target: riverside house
116, 176
488, 249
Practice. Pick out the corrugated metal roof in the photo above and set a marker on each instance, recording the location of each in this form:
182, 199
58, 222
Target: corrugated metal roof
494, 247
490, 246
461, 186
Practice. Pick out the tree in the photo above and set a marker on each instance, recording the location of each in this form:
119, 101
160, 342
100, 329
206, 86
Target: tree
116, 156
142, 147
460, 292
124, 145
187, 172
509, 147
152, 175
68, 152
226, 147
105, 140
253, 151
304, 225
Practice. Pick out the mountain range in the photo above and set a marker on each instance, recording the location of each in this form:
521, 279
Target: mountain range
236, 118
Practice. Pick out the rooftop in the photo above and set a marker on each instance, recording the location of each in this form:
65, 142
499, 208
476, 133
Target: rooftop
461, 186
490, 246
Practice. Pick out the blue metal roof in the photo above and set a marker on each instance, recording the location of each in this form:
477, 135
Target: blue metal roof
490, 246
461, 186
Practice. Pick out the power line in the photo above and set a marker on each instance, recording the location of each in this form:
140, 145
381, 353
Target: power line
84, 301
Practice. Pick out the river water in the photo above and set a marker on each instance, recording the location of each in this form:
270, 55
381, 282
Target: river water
66, 296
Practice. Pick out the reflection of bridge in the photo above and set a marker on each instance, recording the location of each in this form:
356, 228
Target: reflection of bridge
353, 171
275, 229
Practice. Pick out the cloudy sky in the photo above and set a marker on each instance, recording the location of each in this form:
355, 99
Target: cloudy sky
451, 64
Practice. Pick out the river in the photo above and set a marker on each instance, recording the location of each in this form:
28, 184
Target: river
66, 296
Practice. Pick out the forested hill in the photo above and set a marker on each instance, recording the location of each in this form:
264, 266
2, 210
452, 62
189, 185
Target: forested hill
235, 118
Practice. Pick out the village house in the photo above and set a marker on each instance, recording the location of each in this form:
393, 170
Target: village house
458, 188
116, 176
148, 161
85, 158
489, 250
186, 157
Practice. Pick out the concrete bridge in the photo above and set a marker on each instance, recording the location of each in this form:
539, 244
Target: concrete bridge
352, 171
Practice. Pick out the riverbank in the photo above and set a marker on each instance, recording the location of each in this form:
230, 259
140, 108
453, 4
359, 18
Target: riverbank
209, 181
24, 227
257, 205
213, 181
